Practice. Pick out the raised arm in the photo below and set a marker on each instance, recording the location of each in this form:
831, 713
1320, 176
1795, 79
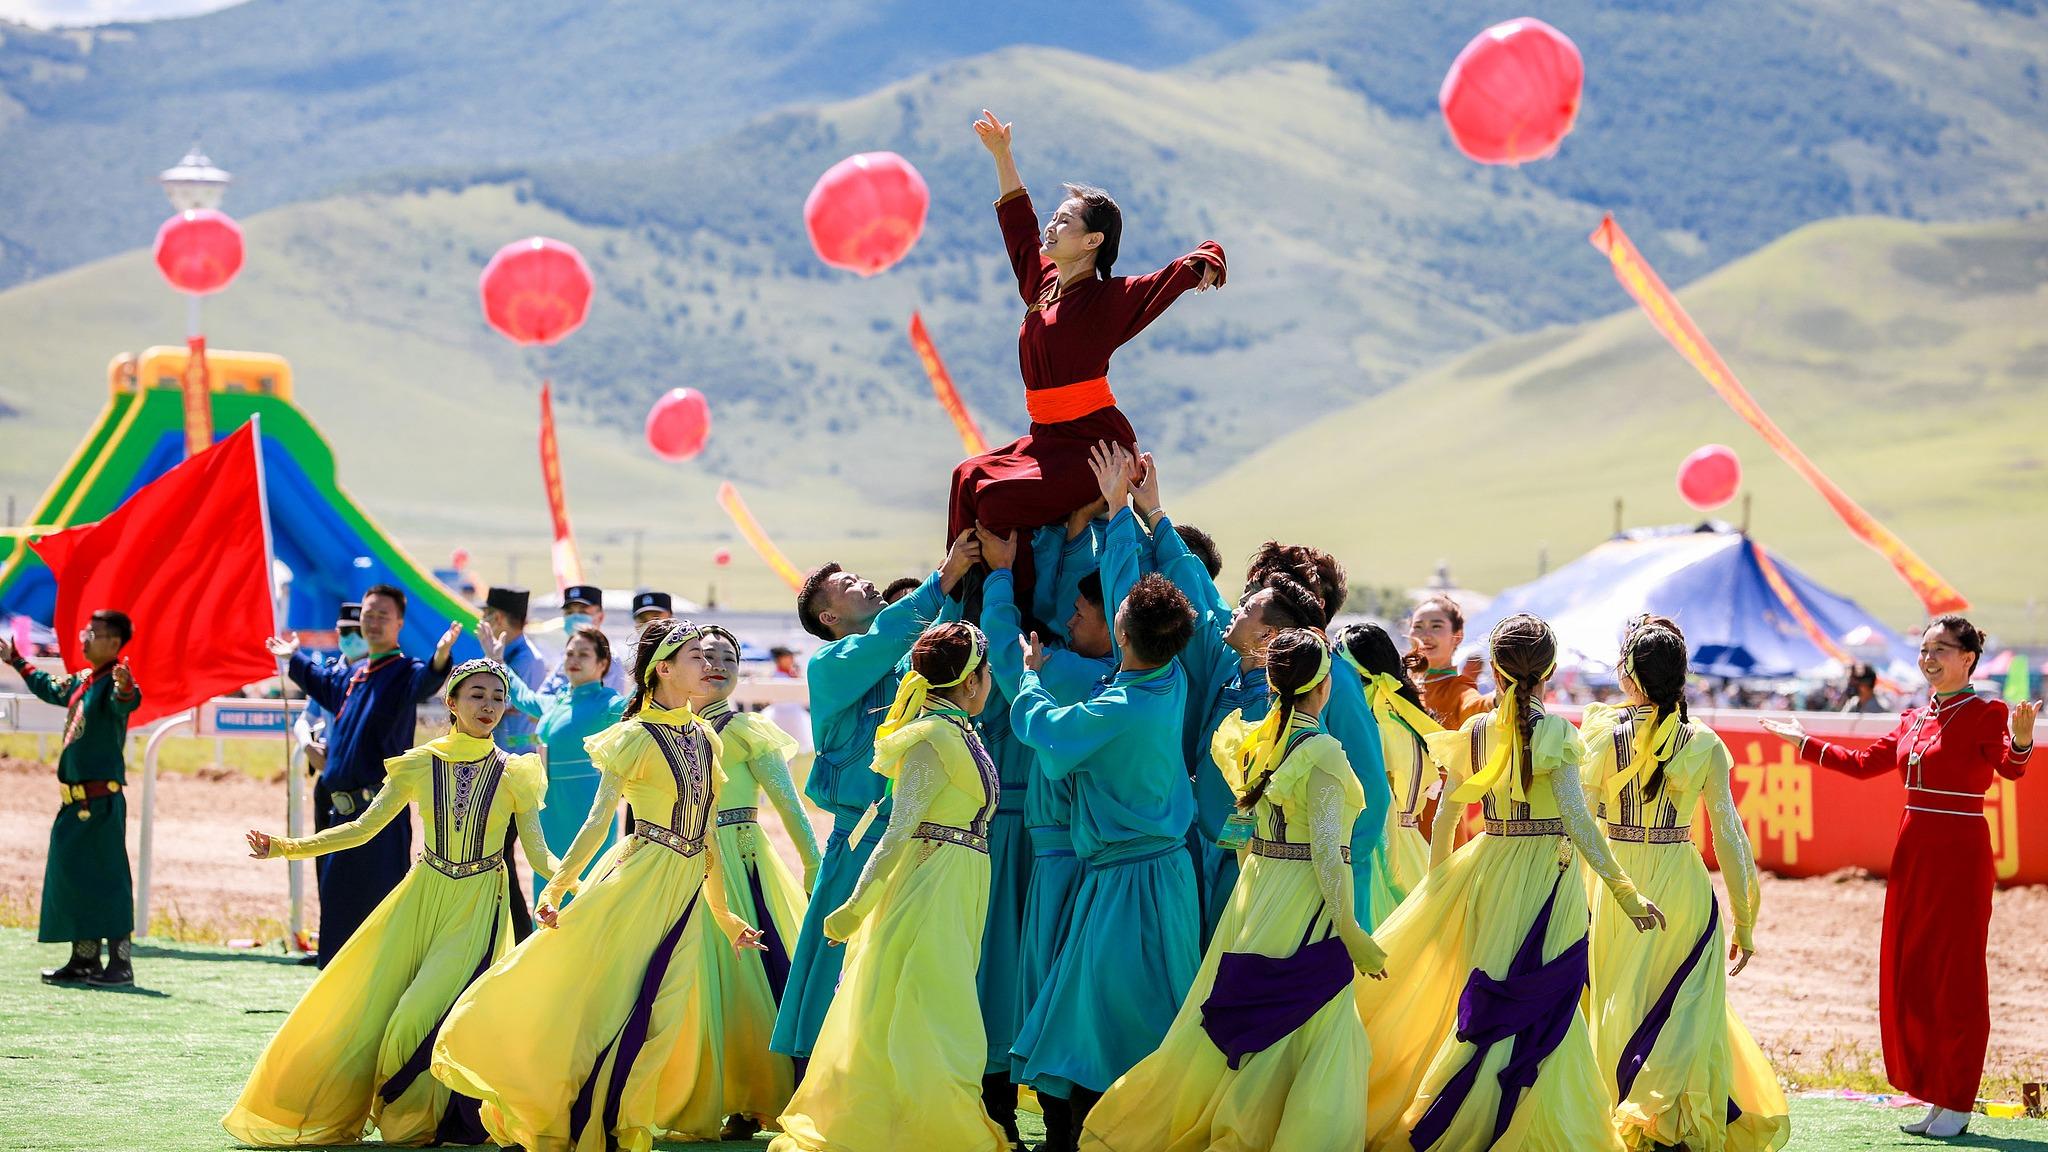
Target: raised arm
1004, 628
922, 779
1019, 221
2008, 742
1139, 300
1878, 759
427, 678
1063, 736
841, 672
324, 684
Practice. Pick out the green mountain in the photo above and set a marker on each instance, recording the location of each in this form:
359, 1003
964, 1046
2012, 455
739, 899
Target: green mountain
1909, 361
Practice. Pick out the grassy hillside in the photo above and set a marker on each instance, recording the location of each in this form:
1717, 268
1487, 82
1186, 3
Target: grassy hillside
1908, 360
303, 98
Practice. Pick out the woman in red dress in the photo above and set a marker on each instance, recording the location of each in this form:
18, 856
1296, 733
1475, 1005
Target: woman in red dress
1076, 316
1934, 996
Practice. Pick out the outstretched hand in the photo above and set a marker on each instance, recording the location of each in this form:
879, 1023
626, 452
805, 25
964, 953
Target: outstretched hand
1112, 465
492, 640
447, 644
995, 134
1145, 488
2021, 722
1034, 652
259, 844
283, 646
1739, 956
1791, 730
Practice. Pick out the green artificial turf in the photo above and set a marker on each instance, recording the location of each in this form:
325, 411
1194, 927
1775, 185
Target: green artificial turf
156, 1066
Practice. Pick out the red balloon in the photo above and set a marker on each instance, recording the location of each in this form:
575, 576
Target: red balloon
722, 557
1513, 93
536, 291
1709, 477
199, 250
866, 212
679, 424
459, 559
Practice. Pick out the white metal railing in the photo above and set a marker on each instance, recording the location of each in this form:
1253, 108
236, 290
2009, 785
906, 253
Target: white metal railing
24, 713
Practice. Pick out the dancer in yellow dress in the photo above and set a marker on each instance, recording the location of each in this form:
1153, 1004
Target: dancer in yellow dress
753, 763
1405, 726
1674, 1053
898, 1062
599, 1032
351, 1056
1267, 1051
1477, 1037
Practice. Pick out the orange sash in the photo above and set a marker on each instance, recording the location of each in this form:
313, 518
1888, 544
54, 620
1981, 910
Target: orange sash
1069, 401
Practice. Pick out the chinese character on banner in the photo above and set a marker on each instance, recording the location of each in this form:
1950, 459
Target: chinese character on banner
2002, 809
1777, 800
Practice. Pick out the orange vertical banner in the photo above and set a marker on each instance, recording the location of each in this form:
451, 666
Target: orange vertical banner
197, 384
1641, 282
942, 384
750, 528
568, 565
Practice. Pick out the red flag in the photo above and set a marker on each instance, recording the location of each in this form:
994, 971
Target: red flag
184, 557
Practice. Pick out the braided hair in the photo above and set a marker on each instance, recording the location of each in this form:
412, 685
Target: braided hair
1524, 651
1293, 657
1655, 658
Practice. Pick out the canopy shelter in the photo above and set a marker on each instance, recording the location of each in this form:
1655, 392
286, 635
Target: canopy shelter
1745, 612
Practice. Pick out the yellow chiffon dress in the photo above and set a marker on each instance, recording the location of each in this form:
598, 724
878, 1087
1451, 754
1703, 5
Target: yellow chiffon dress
350, 1057
754, 764
1412, 776
601, 1029
899, 1060
1674, 1053
1281, 948
1486, 964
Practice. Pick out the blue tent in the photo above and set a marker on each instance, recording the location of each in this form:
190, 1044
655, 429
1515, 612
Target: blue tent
1744, 611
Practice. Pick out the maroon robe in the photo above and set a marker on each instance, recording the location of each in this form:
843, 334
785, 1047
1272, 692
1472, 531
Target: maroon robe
1934, 999
1065, 341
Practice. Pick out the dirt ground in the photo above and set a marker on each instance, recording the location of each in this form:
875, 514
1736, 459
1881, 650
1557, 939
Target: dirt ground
1810, 996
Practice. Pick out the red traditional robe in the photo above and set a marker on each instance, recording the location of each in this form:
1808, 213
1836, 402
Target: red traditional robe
1933, 990
1063, 348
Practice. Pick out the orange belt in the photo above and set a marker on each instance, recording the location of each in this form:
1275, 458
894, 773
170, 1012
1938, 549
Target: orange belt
1068, 402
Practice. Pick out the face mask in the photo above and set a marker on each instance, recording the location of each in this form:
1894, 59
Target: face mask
353, 646
572, 622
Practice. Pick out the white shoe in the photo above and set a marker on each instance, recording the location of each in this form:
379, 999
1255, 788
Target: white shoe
1919, 1127
1949, 1124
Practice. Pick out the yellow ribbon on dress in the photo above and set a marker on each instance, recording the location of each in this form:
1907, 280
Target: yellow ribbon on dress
1507, 750
914, 689
1263, 742
1650, 746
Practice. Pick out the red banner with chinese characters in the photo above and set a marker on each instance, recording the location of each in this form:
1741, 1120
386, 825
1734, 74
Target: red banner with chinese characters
568, 565
942, 385
1657, 302
1808, 821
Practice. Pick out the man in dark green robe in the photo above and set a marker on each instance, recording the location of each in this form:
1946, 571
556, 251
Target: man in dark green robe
88, 895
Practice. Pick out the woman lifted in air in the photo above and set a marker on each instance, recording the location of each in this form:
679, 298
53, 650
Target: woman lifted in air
1076, 316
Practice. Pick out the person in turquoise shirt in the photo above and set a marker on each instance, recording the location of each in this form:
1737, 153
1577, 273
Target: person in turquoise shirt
585, 707
852, 680
1135, 939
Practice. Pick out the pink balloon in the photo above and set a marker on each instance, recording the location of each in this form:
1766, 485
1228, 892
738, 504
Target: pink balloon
536, 291
1710, 477
679, 424
199, 251
1513, 93
459, 559
722, 557
866, 212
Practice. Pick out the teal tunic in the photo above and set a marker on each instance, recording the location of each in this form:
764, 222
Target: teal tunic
566, 719
852, 681
1348, 716
1218, 685
1135, 941
88, 892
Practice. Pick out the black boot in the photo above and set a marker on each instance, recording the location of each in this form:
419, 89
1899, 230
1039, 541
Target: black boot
1081, 1103
1060, 1134
83, 965
999, 1098
739, 1126
118, 973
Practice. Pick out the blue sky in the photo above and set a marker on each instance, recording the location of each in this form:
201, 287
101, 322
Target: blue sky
48, 13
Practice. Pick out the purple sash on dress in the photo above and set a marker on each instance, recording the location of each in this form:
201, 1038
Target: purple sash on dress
774, 956
461, 1122
1636, 1052
1257, 1001
1531, 1007
632, 1035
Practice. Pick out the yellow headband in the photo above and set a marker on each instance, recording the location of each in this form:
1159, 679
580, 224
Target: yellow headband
1262, 743
915, 690
680, 632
